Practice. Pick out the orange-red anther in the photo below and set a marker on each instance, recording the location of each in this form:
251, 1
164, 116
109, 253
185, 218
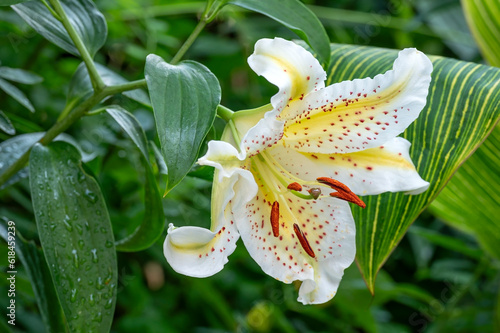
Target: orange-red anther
351, 197
335, 184
295, 187
303, 241
275, 219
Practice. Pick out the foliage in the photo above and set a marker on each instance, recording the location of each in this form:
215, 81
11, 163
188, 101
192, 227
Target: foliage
76, 75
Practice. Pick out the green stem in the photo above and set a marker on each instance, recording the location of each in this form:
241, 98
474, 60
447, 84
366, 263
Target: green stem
51, 10
224, 113
187, 44
63, 124
95, 78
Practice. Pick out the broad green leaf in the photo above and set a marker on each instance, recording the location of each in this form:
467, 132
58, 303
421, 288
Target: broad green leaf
75, 233
87, 20
470, 201
184, 99
35, 265
19, 75
483, 19
297, 17
17, 94
6, 125
80, 86
462, 107
12, 149
153, 222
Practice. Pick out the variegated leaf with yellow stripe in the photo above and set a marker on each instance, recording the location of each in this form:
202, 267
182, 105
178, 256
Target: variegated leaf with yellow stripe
462, 107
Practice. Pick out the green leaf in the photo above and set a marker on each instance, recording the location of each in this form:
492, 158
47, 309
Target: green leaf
12, 149
17, 94
153, 222
87, 20
6, 125
76, 236
297, 17
19, 75
462, 107
184, 99
34, 263
80, 86
482, 17
470, 201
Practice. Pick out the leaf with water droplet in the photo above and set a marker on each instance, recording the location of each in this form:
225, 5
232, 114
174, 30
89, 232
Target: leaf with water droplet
86, 265
33, 261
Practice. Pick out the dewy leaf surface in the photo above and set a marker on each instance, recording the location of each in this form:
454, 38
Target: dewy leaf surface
75, 233
462, 107
87, 20
184, 99
34, 263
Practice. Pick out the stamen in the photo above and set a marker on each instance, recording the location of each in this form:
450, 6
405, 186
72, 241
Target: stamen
303, 241
335, 184
275, 219
315, 192
351, 197
295, 187
343, 192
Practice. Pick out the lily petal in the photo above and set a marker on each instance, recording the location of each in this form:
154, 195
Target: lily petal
288, 66
387, 168
224, 157
326, 223
200, 252
354, 115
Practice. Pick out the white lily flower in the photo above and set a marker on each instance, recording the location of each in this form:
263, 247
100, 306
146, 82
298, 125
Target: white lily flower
285, 188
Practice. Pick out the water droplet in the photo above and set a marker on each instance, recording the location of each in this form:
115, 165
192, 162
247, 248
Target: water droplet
67, 223
79, 228
99, 284
94, 255
75, 258
81, 243
40, 186
1, 165
98, 212
91, 299
52, 226
62, 243
104, 230
108, 244
108, 304
98, 317
74, 292
90, 196
108, 279
75, 317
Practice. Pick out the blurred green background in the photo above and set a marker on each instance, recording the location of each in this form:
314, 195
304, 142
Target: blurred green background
437, 280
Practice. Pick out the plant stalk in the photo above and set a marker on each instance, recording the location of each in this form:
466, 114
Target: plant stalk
95, 78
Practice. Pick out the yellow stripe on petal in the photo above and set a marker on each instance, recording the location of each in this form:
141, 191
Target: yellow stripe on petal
288, 66
360, 114
387, 168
